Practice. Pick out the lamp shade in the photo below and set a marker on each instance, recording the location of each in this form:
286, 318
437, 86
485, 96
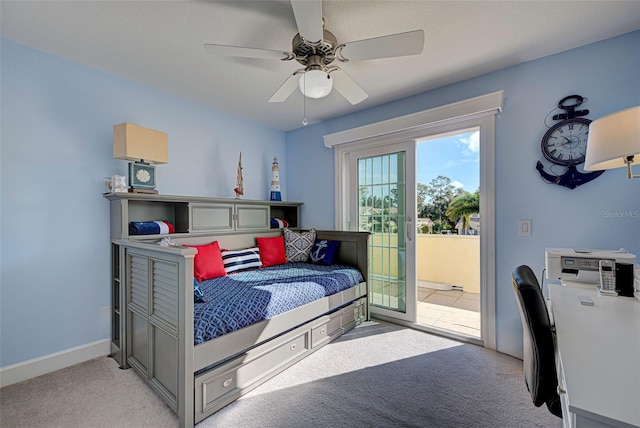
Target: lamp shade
135, 143
315, 84
612, 139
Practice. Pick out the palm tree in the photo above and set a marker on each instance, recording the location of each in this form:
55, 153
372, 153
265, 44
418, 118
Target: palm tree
462, 206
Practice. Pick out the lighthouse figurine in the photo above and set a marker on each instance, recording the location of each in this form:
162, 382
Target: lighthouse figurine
275, 181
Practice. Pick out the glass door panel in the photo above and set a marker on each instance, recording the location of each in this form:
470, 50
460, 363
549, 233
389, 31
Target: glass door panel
382, 209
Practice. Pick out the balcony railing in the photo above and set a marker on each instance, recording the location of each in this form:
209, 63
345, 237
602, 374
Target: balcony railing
449, 259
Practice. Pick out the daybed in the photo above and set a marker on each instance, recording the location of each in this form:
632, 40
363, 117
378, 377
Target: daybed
197, 380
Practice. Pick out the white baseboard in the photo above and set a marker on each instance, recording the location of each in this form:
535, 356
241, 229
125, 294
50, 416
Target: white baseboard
49, 363
435, 285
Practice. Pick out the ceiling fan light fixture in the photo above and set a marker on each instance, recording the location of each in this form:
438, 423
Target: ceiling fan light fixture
315, 84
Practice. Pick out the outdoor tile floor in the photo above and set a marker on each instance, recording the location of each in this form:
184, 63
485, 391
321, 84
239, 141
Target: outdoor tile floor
452, 310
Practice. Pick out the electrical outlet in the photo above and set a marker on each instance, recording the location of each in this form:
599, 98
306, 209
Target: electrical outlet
525, 227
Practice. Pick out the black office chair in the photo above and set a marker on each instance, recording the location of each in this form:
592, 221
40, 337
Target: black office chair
538, 337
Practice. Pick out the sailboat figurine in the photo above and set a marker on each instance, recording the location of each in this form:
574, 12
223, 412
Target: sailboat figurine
239, 189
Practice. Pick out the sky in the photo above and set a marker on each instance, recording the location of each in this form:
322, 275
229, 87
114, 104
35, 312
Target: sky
455, 156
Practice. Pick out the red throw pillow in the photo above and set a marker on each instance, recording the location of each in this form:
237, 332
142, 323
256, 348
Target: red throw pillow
272, 251
208, 262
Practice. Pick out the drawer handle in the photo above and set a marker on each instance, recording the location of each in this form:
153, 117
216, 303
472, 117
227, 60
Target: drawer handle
322, 331
560, 390
227, 382
293, 347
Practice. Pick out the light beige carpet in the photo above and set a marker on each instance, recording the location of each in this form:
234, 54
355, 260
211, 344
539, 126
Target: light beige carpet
92, 394
377, 375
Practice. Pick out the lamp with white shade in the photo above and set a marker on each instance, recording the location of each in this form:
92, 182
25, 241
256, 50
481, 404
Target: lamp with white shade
614, 141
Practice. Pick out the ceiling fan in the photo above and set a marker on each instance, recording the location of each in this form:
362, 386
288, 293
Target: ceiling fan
316, 49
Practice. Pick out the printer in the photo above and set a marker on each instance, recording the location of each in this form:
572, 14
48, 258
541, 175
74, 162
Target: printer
581, 266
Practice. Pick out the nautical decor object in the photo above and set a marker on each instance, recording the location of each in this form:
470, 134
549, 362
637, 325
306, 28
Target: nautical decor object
239, 189
275, 181
565, 144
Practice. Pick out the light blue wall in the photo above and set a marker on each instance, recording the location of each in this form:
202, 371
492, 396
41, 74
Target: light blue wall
56, 148
56, 129
607, 73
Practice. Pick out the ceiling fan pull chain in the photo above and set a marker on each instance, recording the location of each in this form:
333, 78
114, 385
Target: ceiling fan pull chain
304, 100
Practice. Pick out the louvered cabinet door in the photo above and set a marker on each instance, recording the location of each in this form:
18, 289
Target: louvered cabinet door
137, 322
163, 328
152, 321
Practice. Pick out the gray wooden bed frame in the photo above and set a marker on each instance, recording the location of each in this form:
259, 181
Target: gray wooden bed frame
198, 380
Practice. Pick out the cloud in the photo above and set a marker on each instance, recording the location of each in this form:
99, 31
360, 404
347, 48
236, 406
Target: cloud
470, 144
456, 183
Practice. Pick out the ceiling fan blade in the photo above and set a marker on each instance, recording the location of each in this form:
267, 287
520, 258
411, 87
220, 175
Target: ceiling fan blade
247, 52
401, 44
308, 15
285, 89
347, 87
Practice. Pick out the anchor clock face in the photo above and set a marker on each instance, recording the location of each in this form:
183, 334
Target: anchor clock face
565, 143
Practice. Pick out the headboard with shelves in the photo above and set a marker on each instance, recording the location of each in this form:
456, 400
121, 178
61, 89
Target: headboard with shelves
194, 215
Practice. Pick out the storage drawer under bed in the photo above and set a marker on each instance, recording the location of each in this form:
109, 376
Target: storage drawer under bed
329, 327
224, 384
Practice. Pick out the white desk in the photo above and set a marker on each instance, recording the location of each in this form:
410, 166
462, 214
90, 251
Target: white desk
598, 357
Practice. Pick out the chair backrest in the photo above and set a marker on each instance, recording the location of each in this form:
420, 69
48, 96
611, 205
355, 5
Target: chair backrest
539, 359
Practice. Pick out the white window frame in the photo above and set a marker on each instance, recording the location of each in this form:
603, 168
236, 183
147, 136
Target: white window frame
479, 111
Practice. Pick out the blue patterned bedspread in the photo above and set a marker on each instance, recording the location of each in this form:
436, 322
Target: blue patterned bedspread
241, 299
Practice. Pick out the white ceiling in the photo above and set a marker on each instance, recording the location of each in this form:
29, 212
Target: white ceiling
161, 44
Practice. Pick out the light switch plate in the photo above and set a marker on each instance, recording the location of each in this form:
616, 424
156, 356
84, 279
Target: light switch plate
525, 227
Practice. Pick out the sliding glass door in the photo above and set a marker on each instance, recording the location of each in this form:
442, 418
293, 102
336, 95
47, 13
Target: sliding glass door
382, 201
376, 188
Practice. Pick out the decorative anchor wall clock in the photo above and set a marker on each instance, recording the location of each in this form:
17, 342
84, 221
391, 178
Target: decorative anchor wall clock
565, 144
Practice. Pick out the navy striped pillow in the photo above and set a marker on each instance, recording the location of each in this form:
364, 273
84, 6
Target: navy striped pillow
239, 260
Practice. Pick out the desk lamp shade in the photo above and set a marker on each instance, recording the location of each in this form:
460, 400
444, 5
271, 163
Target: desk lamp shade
144, 147
613, 141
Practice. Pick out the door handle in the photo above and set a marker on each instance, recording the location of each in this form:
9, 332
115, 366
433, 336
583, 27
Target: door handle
408, 226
